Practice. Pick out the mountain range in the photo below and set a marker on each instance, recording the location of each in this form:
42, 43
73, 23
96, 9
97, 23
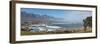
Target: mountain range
25, 17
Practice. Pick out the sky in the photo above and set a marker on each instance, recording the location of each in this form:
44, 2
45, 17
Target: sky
71, 16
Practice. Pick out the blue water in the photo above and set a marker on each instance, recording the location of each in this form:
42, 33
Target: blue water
67, 25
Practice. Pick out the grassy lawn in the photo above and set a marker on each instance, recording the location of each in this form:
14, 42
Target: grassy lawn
58, 32
39, 33
31, 33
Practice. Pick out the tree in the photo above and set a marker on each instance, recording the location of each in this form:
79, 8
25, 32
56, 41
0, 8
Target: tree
87, 22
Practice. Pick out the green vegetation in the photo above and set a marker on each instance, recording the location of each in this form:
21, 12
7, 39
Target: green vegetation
87, 22
57, 32
39, 33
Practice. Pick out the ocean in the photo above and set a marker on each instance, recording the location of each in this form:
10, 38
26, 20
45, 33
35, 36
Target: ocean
67, 25
52, 27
